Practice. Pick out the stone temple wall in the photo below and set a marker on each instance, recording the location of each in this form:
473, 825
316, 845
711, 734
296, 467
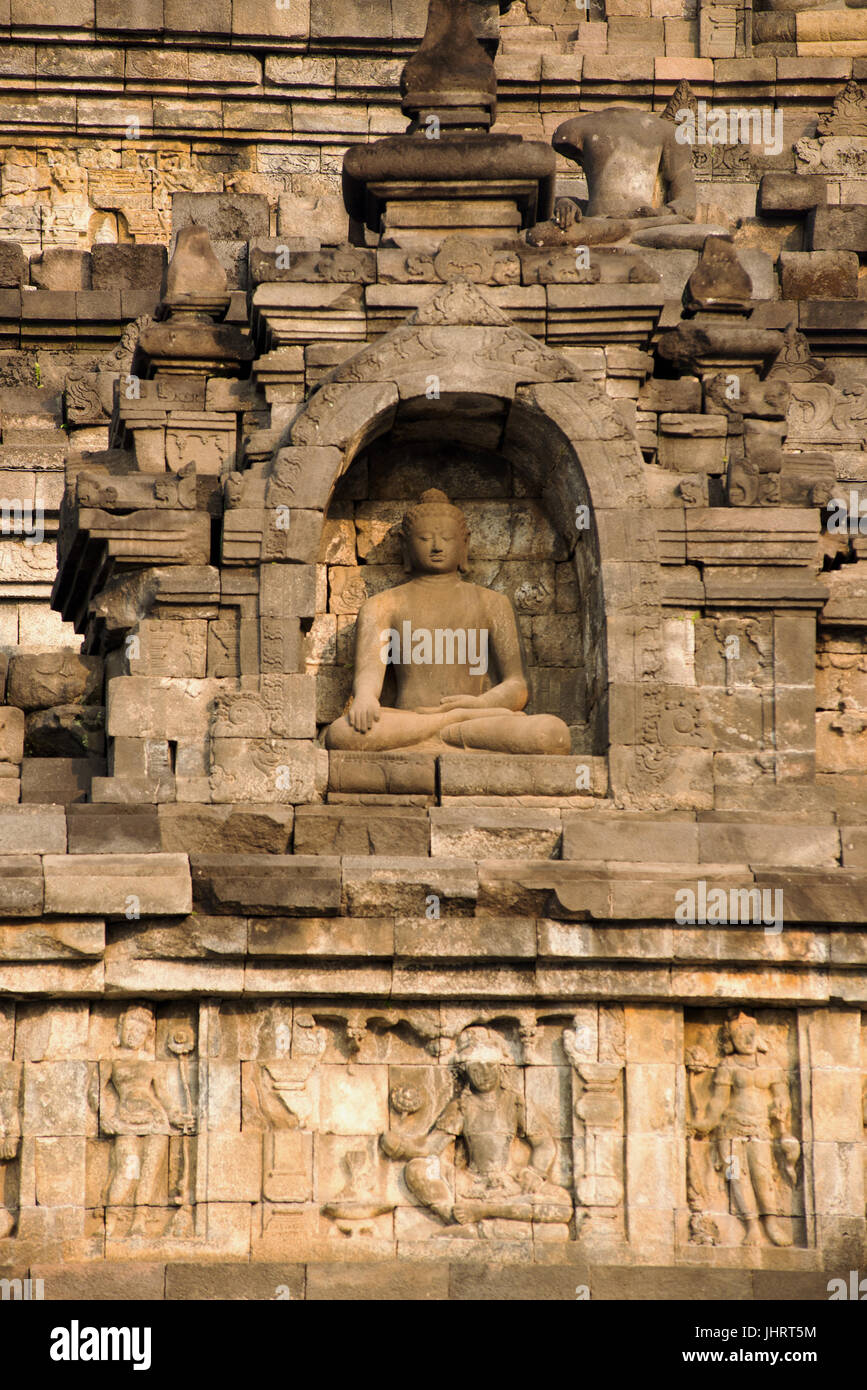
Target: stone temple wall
253, 988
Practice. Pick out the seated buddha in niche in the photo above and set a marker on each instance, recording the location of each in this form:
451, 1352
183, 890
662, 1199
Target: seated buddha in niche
455, 653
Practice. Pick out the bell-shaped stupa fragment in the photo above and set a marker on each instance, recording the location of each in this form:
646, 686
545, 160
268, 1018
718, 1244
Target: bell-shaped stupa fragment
450, 77
194, 269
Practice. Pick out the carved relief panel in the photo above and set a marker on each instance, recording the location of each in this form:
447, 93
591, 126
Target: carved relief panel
142, 1166
415, 1124
743, 1147
595, 1046
263, 1128
99, 1129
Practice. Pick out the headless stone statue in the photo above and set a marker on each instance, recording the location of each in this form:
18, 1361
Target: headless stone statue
455, 652
635, 169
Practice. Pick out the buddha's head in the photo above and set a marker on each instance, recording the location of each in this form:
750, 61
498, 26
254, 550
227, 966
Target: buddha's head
481, 1057
435, 535
741, 1035
134, 1027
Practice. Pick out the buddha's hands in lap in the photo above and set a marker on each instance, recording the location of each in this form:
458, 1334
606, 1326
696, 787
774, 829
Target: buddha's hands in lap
454, 702
363, 713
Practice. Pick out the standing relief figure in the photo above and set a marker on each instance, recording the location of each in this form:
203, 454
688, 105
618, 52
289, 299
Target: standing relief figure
484, 1118
140, 1108
747, 1117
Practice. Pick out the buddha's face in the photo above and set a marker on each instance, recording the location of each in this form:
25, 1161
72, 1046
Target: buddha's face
483, 1076
742, 1031
134, 1030
436, 542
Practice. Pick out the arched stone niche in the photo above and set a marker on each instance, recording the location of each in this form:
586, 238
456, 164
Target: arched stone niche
516, 548
460, 368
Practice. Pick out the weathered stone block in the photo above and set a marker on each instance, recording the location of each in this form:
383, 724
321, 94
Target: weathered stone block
358, 830
819, 274
125, 267
119, 885
840, 743
107, 1282
260, 18
692, 443
634, 34
174, 977
290, 771
769, 844
59, 781
195, 938
288, 589
11, 734
144, 15
175, 648
233, 830
13, 265
506, 938
294, 885
391, 1280
682, 395
45, 679
480, 832
237, 1281
321, 936
537, 1283
32, 830
315, 213
160, 707
103, 829
821, 895
227, 216
21, 885
52, 940
356, 19
285, 707
838, 228
234, 1167
411, 886
56, 1099
303, 477
394, 774
497, 774
61, 268
617, 837
793, 193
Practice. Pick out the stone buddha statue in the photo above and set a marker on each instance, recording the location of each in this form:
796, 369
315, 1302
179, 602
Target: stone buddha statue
453, 648
635, 169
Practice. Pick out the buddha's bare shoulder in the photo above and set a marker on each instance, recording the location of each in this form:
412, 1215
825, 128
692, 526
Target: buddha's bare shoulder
494, 602
387, 601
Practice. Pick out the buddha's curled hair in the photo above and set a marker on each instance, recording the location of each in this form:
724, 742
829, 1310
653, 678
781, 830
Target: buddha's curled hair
432, 500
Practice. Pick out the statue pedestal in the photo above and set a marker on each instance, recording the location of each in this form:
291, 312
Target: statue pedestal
418, 191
